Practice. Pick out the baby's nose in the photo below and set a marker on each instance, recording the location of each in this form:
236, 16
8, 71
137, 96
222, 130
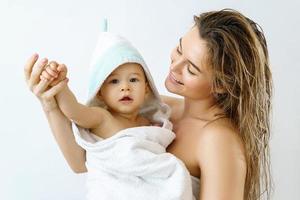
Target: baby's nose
125, 87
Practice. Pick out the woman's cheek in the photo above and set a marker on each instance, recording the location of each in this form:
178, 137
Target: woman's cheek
197, 85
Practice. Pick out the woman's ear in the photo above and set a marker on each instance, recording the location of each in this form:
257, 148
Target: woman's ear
220, 90
220, 93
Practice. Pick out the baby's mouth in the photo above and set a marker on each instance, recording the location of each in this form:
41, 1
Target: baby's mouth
126, 98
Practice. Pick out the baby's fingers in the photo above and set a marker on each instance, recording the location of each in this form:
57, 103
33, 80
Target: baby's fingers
62, 70
62, 73
51, 72
46, 76
53, 65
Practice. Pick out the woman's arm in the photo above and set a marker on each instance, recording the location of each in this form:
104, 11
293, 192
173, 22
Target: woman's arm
62, 131
59, 124
222, 162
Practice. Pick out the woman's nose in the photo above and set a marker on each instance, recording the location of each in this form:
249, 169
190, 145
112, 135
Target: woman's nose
177, 63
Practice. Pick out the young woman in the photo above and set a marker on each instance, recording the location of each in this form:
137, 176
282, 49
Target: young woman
220, 67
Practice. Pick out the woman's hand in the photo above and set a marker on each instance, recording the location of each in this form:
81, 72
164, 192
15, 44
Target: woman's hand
60, 125
40, 88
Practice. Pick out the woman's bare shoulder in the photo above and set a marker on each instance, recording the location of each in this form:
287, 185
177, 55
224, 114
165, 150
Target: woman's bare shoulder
222, 160
221, 135
219, 144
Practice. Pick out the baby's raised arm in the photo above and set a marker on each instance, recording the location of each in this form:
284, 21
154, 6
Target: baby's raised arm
87, 117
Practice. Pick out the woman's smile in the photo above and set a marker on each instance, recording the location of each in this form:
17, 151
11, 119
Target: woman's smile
172, 78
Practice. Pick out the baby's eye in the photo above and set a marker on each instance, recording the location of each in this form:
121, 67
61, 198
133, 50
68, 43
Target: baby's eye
114, 81
134, 80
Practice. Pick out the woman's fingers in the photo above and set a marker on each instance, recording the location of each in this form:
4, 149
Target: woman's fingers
40, 88
28, 66
55, 89
36, 72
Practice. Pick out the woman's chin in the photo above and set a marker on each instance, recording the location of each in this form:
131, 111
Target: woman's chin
170, 87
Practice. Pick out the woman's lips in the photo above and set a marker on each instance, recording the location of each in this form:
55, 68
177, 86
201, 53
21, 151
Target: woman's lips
173, 79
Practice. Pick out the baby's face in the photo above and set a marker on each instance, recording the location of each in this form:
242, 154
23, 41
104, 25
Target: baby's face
125, 89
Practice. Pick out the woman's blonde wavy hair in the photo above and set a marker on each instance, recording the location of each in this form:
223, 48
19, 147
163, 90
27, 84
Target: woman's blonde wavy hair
238, 57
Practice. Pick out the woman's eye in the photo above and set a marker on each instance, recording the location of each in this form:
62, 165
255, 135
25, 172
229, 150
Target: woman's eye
190, 71
178, 51
134, 80
114, 81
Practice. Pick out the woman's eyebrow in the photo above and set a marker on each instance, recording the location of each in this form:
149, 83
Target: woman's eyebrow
195, 66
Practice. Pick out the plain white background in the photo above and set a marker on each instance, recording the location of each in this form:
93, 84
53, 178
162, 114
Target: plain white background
32, 167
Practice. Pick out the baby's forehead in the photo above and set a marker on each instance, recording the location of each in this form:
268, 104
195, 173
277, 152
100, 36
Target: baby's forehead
129, 68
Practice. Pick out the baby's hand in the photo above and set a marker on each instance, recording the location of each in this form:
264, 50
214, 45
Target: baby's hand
54, 73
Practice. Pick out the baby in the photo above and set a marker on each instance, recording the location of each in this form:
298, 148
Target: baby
126, 157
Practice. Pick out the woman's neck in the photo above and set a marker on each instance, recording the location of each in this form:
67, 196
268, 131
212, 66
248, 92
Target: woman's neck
205, 109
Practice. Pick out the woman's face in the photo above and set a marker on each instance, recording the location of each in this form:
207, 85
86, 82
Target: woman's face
189, 74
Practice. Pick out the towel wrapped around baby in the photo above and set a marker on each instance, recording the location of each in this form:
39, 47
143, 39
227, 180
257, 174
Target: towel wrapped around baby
134, 164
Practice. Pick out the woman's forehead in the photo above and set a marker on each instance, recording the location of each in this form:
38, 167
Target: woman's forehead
194, 47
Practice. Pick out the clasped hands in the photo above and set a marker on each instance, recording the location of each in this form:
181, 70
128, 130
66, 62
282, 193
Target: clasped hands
45, 79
